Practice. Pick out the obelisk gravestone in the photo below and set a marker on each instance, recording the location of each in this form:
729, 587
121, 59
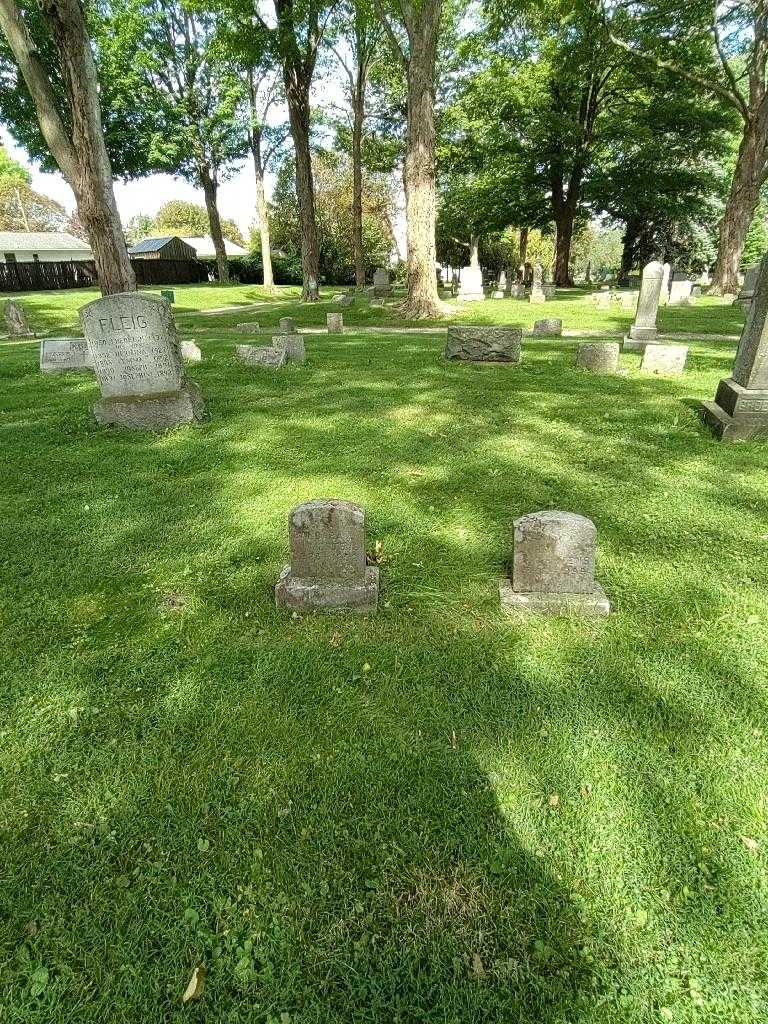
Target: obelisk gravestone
644, 328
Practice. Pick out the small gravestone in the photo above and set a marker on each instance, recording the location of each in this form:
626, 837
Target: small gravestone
382, 288
287, 325
695, 293
553, 567
501, 284
550, 326
335, 323
471, 284
249, 328
498, 294
598, 357
644, 328
292, 345
747, 291
169, 295
549, 290
537, 295
15, 320
517, 291
328, 570
261, 355
680, 292
134, 348
484, 344
190, 352
64, 355
665, 360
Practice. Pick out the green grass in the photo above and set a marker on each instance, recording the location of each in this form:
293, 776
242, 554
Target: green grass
353, 820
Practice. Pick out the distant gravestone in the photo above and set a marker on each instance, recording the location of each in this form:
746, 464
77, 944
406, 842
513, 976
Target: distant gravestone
549, 290
190, 352
497, 294
501, 284
680, 292
602, 299
550, 326
598, 357
287, 325
664, 292
665, 360
537, 285
134, 348
517, 291
644, 328
740, 408
16, 321
249, 328
261, 355
64, 355
553, 567
382, 288
747, 290
484, 344
328, 570
335, 323
695, 293
471, 285
292, 345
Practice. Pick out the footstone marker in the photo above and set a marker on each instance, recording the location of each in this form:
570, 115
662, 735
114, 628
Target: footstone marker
666, 360
484, 344
190, 352
64, 355
553, 567
261, 355
602, 357
249, 328
328, 570
287, 325
537, 295
551, 326
134, 348
292, 345
15, 320
335, 323
740, 408
382, 289
549, 290
644, 327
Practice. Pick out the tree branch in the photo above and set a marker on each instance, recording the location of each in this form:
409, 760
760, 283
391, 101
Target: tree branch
393, 40
726, 65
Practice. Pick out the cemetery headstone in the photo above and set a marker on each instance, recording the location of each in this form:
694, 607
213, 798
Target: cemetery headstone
64, 355
287, 325
382, 288
517, 291
292, 345
695, 293
335, 323
537, 295
644, 328
502, 282
16, 321
249, 328
740, 408
747, 290
598, 357
328, 570
497, 294
484, 344
665, 360
680, 292
471, 285
190, 352
134, 349
665, 278
553, 567
549, 290
261, 355
550, 326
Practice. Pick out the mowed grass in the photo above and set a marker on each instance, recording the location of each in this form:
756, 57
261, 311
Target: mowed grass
433, 814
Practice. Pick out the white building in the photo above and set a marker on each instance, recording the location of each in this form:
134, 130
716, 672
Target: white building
42, 247
205, 249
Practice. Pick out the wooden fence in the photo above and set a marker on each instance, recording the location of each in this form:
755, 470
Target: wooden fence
40, 276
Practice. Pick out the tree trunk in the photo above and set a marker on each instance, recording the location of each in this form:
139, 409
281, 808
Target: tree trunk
266, 244
523, 244
740, 208
358, 115
628, 247
210, 190
79, 151
298, 114
563, 241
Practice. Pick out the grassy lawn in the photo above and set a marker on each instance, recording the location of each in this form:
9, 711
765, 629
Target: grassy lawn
430, 815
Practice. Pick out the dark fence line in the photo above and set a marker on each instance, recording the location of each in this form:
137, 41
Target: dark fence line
39, 276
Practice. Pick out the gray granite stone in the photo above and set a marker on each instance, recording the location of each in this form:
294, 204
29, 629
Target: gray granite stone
644, 328
248, 328
471, 285
328, 568
537, 295
553, 567
629, 300
680, 292
287, 325
261, 355
665, 360
598, 357
16, 321
549, 326
382, 288
335, 322
292, 345
517, 291
134, 348
64, 355
190, 352
484, 344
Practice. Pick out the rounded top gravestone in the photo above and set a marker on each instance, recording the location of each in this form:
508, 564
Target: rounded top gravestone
554, 552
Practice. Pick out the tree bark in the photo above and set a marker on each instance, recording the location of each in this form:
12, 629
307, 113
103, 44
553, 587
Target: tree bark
266, 243
358, 116
298, 115
210, 190
80, 152
628, 249
523, 244
563, 242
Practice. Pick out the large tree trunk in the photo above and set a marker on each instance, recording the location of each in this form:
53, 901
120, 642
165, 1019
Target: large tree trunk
740, 208
628, 249
563, 241
298, 115
79, 151
358, 114
210, 190
266, 243
523, 244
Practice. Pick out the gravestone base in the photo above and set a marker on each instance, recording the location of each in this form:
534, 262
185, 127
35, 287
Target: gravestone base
309, 595
594, 604
153, 412
638, 338
737, 413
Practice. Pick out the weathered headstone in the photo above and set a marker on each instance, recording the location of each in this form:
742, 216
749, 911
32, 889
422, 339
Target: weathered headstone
740, 408
680, 291
335, 323
287, 325
537, 285
382, 288
666, 360
695, 293
15, 320
517, 291
598, 357
501, 284
190, 352
471, 284
249, 328
497, 294
550, 326
292, 345
747, 291
328, 570
553, 567
344, 299
261, 355
64, 355
134, 348
644, 328
484, 344
549, 290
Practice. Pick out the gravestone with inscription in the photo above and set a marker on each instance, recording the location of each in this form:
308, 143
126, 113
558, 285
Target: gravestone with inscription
134, 349
644, 328
553, 567
740, 408
64, 355
484, 344
680, 291
471, 285
382, 288
261, 355
15, 320
335, 323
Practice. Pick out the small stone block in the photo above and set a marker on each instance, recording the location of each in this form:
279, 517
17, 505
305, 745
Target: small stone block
666, 360
304, 595
261, 355
292, 345
551, 326
190, 352
598, 357
249, 328
594, 604
484, 344
335, 323
154, 412
287, 325
64, 355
